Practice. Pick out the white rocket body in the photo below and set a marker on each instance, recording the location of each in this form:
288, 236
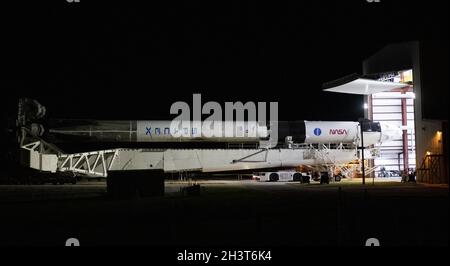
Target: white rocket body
160, 131
217, 131
339, 132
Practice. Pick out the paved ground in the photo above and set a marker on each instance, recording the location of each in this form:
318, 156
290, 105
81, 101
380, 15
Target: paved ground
228, 213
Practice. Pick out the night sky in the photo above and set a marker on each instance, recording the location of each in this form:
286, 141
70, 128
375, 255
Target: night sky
130, 61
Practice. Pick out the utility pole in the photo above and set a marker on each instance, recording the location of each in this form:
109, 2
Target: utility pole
361, 121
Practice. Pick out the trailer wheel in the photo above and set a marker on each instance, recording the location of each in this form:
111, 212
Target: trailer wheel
297, 177
274, 177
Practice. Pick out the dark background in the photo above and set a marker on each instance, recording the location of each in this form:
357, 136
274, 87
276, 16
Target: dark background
128, 60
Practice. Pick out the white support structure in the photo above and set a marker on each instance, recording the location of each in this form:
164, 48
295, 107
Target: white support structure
218, 160
45, 157
35, 155
96, 163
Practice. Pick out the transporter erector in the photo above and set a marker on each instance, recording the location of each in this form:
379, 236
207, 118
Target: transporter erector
171, 147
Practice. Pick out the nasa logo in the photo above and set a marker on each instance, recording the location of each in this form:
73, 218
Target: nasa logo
317, 131
338, 132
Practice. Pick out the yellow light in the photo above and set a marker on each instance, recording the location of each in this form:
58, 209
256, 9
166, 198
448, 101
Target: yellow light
428, 153
439, 132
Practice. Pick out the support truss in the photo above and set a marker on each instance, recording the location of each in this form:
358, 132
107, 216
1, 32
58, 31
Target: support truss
95, 163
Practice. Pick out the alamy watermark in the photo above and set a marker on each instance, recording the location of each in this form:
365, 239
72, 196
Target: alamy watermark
228, 123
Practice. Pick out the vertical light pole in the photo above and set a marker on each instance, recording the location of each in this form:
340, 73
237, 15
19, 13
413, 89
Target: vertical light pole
361, 121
